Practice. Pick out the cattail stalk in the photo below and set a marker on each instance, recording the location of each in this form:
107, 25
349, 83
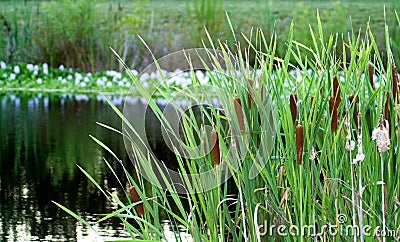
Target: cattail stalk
360, 186
239, 114
371, 75
293, 107
299, 143
136, 198
215, 152
350, 148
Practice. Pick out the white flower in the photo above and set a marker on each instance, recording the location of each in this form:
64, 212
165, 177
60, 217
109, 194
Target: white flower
77, 81
61, 67
69, 77
16, 69
5, 75
35, 72
89, 74
3, 65
59, 78
86, 79
45, 66
109, 84
29, 67
381, 135
78, 76
63, 81
36, 68
127, 84
121, 83
135, 72
12, 76
45, 71
104, 79
82, 84
99, 82
39, 81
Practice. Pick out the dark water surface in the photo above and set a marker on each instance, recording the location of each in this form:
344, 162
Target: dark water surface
43, 138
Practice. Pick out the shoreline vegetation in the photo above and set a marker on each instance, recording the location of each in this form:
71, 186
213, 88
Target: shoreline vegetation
80, 36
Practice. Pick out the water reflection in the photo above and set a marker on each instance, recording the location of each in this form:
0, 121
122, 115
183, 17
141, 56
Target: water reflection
42, 139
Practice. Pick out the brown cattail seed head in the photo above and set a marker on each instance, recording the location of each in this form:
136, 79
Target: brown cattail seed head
395, 89
135, 198
293, 107
215, 150
387, 106
299, 144
333, 112
239, 114
336, 88
371, 75
249, 90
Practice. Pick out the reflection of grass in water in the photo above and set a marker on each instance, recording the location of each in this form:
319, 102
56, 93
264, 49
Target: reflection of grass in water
321, 190
50, 136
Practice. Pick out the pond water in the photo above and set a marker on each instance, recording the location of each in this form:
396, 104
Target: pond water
43, 138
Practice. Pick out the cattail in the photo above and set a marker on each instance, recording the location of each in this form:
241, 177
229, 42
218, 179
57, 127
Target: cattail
333, 112
215, 150
239, 113
293, 107
249, 90
135, 198
299, 143
395, 89
336, 91
355, 109
387, 106
371, 75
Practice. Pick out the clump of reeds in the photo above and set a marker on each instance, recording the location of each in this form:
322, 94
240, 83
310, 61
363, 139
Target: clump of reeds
136, 198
